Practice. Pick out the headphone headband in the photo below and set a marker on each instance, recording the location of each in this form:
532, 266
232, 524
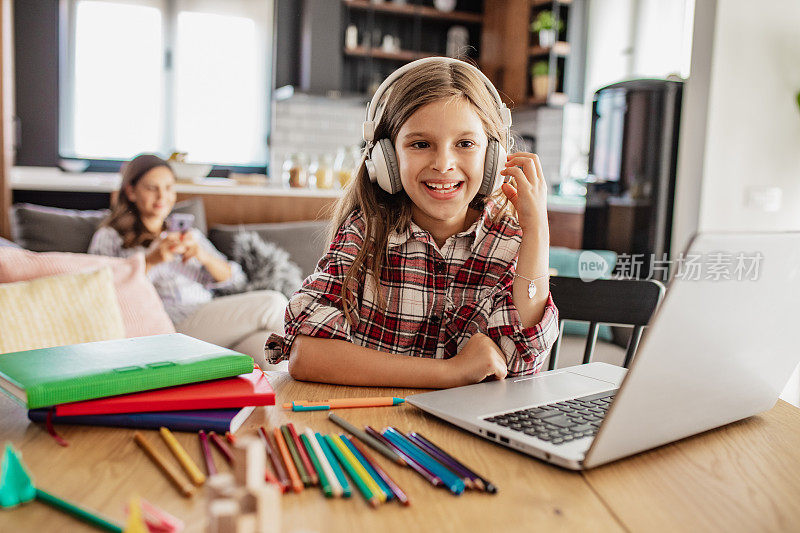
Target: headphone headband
372, 121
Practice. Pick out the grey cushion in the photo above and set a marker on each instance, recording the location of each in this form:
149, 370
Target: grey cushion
306, 242
52, 229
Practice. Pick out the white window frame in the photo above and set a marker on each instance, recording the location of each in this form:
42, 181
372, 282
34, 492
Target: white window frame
169, 10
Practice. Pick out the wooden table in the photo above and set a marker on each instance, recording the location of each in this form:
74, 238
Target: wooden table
744, 477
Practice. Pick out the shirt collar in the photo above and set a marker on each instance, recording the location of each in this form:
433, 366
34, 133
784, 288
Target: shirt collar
476, 231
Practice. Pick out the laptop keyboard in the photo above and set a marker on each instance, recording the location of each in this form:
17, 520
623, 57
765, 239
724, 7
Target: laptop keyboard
559, 422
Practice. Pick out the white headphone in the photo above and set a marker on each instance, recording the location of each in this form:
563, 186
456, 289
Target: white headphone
381, 161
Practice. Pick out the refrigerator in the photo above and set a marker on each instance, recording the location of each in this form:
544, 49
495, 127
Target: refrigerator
632, 163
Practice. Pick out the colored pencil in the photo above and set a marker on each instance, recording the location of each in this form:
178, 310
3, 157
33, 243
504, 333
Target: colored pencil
396, 490
342, 403
447, 461
330, 476
418, 468
211, 468
366, 438
295, 455
450, 480
323, 480
297, 484
366, 477
222, 447
173, 475
183, 458
303, 454
229, 437
78, 512
382, 486
339, 449
275, 460
486, 485
335, 466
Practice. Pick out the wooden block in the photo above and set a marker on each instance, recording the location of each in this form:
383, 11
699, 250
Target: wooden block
246, 524
250, 462
268, 508
220, 486
246, 499
222, 516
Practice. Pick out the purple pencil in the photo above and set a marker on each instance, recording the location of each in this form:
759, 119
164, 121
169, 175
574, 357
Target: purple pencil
419, 469
210, 466
488, 486
446, 460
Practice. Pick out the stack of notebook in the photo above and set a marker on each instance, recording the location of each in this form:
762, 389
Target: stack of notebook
145, 382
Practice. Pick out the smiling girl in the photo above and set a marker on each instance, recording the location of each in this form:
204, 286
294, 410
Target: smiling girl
429, 258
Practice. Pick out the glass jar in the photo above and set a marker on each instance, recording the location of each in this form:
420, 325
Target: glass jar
295, 173
323, 171
345, 165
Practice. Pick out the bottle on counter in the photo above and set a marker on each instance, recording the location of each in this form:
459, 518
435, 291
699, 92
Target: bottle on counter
322, 171
347, 160
295, 173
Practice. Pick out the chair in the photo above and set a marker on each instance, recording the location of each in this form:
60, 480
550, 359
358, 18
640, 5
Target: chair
624, 302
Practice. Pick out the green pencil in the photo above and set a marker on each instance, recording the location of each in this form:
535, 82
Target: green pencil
337, 470
304, 477
323, 479
76, 511
336, 446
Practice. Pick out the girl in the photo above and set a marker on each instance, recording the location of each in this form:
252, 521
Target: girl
435, 270
184, 267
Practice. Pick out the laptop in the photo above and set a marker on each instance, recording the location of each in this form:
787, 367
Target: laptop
720, 348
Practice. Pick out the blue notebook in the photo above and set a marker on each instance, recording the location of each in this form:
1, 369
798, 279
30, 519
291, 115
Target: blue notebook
219, 420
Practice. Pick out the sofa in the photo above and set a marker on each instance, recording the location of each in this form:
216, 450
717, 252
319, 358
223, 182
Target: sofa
47, 229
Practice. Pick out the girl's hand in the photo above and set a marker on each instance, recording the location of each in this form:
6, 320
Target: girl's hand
191, 248
163, 249
478, 359
529, 196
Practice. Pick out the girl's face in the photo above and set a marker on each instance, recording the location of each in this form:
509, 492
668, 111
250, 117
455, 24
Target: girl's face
154, 193
440, 151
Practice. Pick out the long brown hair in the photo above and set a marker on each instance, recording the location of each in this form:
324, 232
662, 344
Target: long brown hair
384, 212
125, 217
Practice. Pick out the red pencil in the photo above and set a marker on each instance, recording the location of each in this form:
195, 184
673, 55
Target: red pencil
301, 449
229, 436
210, 466
222, 447
275, 460
398, 492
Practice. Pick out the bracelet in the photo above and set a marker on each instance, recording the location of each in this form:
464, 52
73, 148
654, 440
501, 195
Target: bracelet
531, 286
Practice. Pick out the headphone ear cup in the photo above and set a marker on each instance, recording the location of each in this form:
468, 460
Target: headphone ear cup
386, 169
495, 157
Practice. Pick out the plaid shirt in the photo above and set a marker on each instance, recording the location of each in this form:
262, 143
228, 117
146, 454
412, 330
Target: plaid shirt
435, 299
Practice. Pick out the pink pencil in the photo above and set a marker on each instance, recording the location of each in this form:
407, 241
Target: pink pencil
212, 469
222, 447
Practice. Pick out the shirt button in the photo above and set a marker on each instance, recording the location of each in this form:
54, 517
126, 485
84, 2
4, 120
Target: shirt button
440, 267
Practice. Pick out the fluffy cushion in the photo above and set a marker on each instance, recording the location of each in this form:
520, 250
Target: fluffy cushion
59, 310
142, 311
52, 229
266, 265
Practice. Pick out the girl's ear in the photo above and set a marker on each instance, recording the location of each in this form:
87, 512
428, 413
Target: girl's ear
129, 192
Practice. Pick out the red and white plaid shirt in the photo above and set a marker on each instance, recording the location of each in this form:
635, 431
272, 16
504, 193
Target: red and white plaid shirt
435, 299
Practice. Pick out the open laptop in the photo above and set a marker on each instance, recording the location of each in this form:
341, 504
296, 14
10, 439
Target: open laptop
720, 348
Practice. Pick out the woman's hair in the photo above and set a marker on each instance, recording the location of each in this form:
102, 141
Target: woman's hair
125, 217
383, 212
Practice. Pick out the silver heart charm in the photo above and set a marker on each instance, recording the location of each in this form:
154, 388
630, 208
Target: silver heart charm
531, 290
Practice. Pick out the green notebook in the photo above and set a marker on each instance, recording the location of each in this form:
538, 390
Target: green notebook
50, 376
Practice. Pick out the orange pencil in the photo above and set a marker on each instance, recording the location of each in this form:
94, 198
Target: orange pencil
297, 485
341, 403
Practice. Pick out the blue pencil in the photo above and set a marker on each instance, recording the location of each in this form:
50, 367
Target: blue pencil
450, 480
337, 469
368, 467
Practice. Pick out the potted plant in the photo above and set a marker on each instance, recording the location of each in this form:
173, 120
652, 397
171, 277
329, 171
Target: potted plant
540, 79
546, 26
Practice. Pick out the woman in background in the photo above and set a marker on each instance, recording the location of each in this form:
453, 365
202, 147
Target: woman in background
183, 266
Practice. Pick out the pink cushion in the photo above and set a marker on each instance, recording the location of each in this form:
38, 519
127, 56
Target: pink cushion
142, 311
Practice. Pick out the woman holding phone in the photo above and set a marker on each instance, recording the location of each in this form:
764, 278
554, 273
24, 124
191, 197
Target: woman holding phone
182, 264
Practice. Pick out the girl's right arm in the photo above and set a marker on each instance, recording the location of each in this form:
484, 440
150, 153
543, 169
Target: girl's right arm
345, 363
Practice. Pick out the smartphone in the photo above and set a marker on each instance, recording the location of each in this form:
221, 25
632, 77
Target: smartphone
181, 222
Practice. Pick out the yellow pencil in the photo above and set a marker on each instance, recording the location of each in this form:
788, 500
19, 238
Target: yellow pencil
189, 466
359, 468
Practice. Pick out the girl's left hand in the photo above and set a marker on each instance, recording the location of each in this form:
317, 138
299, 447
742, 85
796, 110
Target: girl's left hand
529, 197
191, 248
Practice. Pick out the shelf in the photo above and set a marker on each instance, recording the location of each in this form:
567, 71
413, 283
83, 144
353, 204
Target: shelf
400, 55
415, 10
553, 99
540, 3
561, 48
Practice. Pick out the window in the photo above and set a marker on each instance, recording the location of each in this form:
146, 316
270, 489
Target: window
167, 75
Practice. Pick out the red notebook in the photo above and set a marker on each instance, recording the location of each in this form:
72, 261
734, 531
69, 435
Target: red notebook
239, 391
